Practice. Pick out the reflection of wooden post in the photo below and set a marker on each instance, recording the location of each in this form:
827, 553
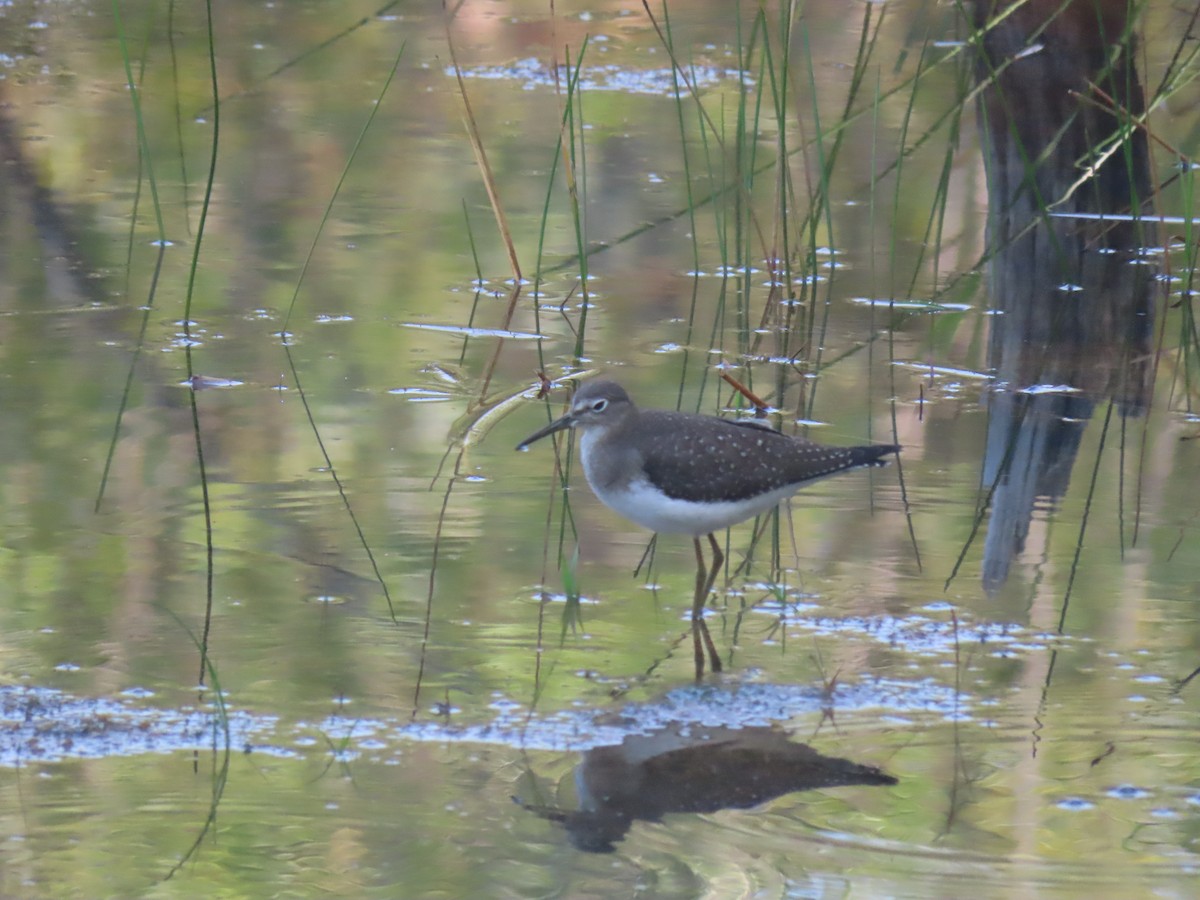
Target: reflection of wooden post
1043, 119
1074, 295
67, 272
1073, 290
1050, 153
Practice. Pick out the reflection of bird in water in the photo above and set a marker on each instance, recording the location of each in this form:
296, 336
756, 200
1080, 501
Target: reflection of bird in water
692, 770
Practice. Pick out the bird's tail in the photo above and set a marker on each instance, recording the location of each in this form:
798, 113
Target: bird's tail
872, 455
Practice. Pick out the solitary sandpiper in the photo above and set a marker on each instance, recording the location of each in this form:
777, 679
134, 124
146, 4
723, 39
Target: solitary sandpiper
683, 473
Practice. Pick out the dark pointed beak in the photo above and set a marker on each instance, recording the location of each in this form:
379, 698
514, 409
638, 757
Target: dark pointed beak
557, 425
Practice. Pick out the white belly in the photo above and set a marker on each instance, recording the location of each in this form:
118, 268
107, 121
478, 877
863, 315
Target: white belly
651, 509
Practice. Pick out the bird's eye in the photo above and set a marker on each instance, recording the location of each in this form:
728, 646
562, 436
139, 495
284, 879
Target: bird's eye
599, 405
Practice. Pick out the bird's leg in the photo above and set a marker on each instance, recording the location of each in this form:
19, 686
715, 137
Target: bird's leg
698, 609
718, 560
701, 639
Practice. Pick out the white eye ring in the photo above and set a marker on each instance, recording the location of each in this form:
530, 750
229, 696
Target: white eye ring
600, 405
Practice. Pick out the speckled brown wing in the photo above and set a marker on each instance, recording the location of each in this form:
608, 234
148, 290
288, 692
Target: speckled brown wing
737, 459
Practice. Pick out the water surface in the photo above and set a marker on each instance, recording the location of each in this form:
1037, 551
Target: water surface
391, 703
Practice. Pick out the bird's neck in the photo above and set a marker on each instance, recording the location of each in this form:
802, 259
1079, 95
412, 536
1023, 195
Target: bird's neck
607, 457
